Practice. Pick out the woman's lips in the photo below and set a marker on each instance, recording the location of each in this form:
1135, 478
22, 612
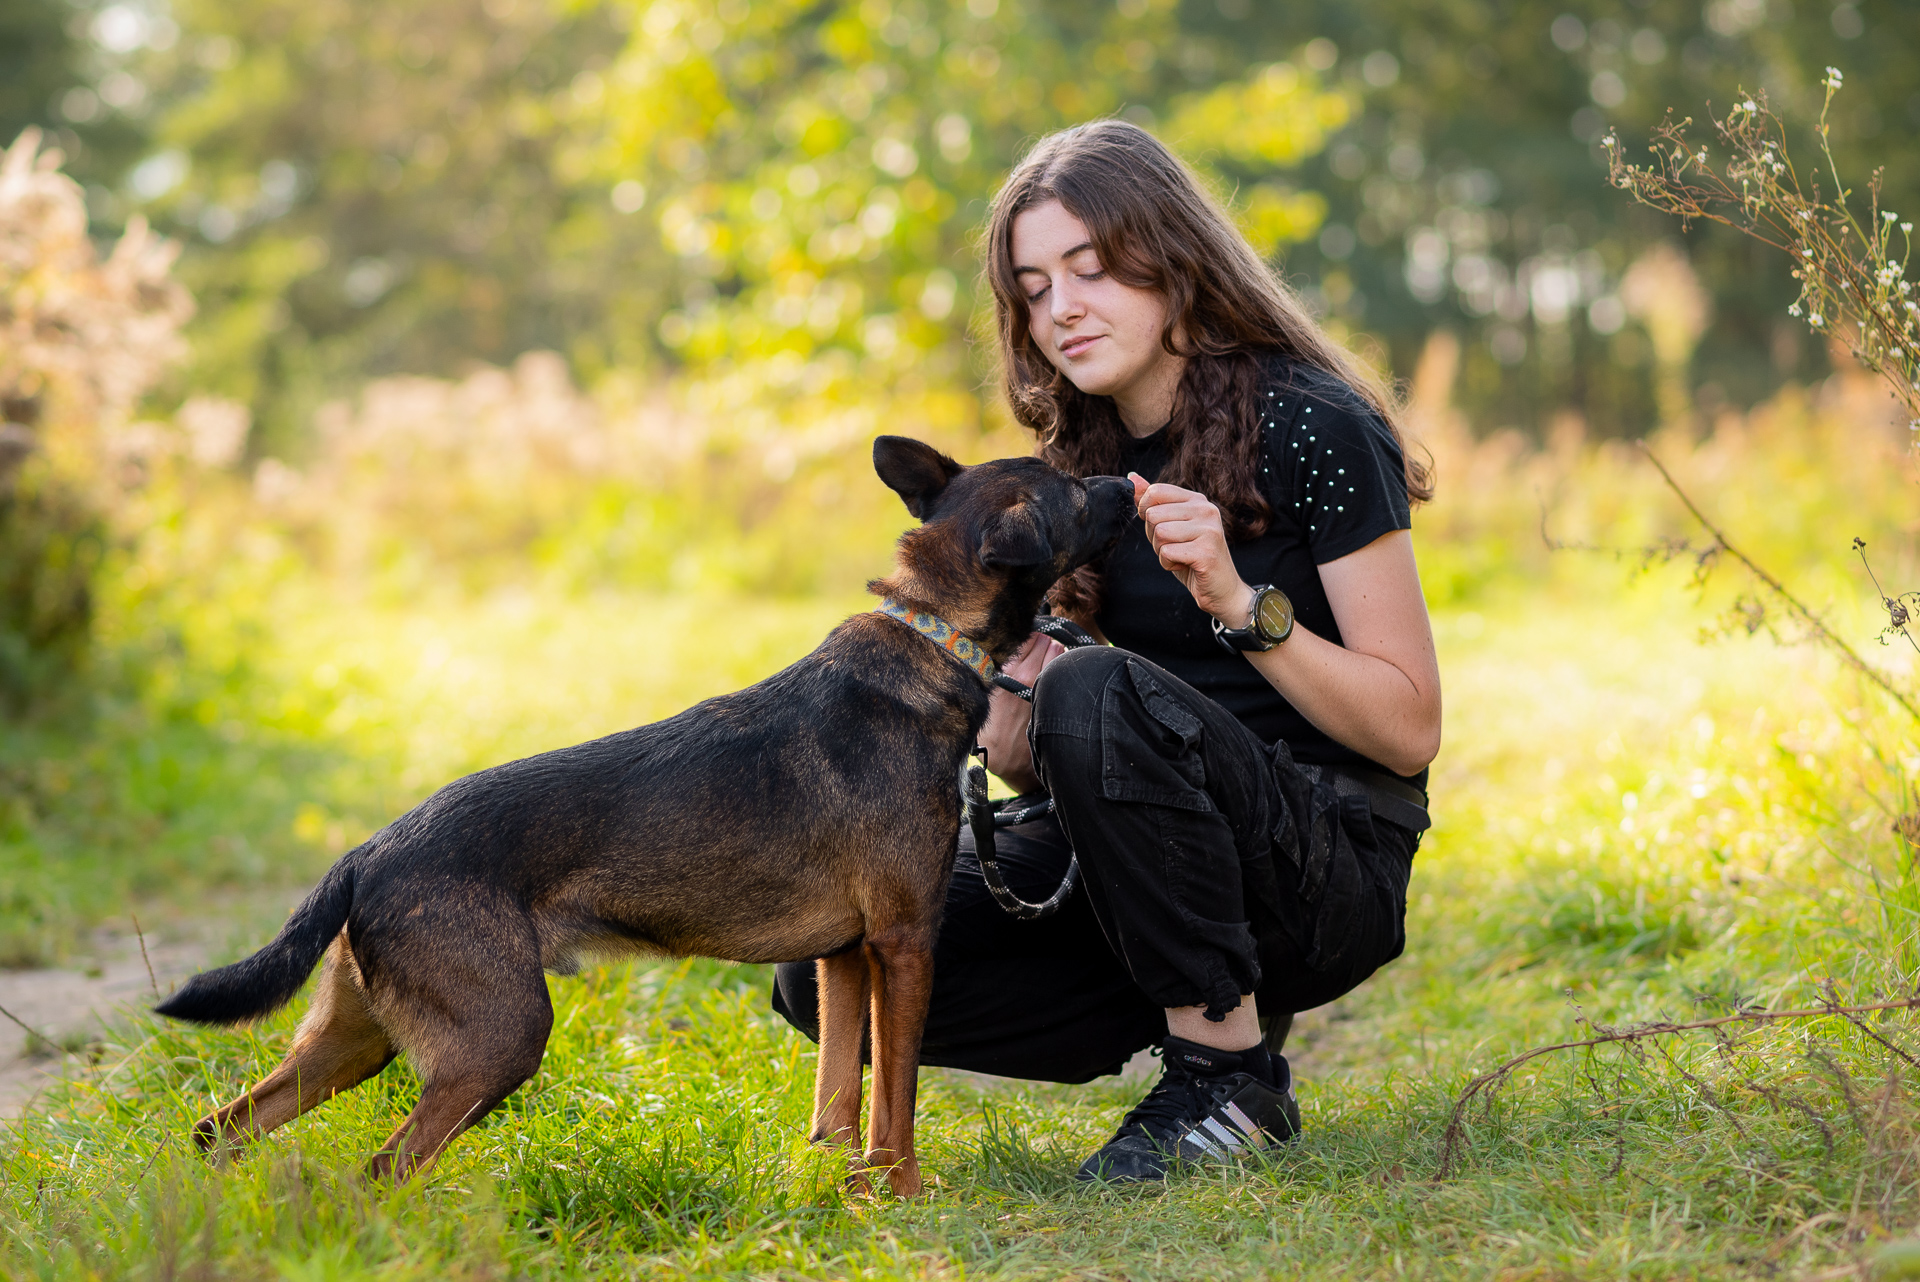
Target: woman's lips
1074, 346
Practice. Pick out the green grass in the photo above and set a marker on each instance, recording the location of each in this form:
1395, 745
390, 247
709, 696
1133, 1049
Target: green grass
1676, 830
1631, 824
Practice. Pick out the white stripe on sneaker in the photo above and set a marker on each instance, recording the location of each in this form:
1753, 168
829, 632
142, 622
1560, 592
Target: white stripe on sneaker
1253, 1133
1227, 1137
1205, 1145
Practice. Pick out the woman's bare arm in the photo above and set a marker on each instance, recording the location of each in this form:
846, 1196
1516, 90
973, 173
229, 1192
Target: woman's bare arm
1379, 692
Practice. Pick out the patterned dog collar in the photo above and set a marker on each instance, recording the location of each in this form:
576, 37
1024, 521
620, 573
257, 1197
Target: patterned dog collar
945, 635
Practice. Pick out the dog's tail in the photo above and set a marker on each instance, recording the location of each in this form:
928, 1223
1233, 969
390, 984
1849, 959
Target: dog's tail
268, 980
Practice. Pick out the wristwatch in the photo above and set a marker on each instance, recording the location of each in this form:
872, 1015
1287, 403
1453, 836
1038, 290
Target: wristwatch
1272, 623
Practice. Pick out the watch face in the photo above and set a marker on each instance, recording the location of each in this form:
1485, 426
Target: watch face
1273, 616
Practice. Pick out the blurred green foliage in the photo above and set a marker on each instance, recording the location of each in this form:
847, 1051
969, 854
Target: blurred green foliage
1469, 191
63, 69
52, 542
377, 189
374, 189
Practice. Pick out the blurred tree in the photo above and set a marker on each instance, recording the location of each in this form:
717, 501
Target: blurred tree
61, 71
37, 63
820, 171
81, 340
371, 188
1469, 192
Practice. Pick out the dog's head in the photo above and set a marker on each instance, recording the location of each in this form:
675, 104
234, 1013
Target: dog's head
994, 537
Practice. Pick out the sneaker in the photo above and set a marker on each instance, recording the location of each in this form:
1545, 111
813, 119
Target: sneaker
1196, 1120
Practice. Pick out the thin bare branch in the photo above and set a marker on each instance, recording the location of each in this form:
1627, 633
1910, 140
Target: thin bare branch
1454, 1135
1794, 605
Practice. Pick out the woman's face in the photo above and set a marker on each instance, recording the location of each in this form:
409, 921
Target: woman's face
1102, 334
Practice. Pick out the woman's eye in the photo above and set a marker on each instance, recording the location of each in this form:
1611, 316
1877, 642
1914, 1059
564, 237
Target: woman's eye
1099, 275
1037, 296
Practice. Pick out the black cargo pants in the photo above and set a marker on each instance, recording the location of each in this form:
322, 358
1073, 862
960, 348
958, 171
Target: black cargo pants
1211, 866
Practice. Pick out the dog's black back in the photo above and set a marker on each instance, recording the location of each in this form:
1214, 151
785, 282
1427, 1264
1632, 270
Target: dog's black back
765, 825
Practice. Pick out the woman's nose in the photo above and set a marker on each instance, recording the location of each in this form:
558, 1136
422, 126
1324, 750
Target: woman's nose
1067, 306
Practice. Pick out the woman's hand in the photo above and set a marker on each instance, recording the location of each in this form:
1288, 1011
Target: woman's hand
1191, 542
1005, 734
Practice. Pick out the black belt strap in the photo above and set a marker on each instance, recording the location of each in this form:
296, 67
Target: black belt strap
1392, 799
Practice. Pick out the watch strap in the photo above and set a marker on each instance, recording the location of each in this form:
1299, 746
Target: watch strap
1248, 640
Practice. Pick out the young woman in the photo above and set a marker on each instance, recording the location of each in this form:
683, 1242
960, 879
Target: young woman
1242, 770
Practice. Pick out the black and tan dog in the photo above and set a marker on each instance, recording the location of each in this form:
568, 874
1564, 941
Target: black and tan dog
812, 815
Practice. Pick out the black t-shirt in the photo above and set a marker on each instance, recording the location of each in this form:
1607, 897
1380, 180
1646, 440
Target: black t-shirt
1335, 477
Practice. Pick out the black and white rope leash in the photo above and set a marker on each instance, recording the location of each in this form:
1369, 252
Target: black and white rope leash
983, 818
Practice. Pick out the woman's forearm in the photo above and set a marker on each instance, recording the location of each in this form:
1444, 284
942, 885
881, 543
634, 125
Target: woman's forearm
1362, 701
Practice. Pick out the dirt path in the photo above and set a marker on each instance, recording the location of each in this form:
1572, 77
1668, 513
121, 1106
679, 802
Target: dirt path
70, 1008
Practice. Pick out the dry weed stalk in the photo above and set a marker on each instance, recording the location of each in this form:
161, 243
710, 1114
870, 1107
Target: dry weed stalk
1853, 286
1453, 1138
1899, 608
1795, 606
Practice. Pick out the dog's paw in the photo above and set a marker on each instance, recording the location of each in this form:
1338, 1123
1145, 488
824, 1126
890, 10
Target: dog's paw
207, 1133
831, 1136
903, 1177
905, 1180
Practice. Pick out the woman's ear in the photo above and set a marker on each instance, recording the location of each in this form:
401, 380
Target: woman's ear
917, 472
1015, 539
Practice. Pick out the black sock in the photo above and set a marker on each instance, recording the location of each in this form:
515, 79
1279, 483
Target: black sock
1206, 1061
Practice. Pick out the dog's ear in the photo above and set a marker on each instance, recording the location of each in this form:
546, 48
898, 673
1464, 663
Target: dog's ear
916, 472
1015, 539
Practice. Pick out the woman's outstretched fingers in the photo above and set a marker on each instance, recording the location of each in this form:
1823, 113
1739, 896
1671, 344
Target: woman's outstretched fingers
1191, 541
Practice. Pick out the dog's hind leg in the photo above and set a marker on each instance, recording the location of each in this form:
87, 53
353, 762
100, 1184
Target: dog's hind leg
475, 1040
843, 1016
337, 1046
900, 960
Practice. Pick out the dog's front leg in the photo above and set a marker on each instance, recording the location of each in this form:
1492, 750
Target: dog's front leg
901, 963
843, 1015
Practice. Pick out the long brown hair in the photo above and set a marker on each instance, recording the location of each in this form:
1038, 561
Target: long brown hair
1154, 227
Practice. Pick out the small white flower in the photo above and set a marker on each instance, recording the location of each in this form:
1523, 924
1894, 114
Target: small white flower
1816, 320
1833, 78
1806, 253
1888, 215
1793, 309
1906, 227
1748, 106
